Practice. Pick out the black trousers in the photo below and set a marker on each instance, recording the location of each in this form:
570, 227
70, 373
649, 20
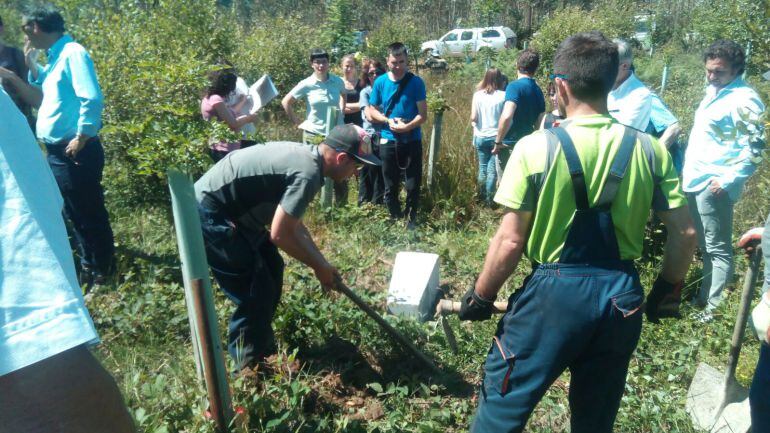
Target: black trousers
79, 181
402, 160
371, 186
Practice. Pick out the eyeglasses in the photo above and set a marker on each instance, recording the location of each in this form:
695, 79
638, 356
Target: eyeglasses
552, 76
26, 26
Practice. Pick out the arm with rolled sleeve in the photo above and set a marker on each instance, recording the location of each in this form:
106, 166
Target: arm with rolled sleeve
748, 116
86, 89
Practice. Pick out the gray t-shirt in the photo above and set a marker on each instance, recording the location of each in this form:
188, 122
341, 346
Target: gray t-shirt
248, 184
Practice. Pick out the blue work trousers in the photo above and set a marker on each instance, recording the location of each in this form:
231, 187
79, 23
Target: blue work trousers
79, 181
566, 316
487, 178
766, 254
759, 395
712, 216
249, 269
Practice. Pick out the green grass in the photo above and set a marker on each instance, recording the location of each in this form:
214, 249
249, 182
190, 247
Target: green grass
337, 371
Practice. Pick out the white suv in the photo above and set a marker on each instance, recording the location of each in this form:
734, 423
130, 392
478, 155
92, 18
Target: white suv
459, 41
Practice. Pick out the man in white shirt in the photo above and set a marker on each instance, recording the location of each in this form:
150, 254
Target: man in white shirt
629, 101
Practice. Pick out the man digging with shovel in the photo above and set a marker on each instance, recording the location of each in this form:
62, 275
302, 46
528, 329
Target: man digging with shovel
578, 197
269, 185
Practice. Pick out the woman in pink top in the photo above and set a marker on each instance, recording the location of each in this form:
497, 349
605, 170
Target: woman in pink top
213, 106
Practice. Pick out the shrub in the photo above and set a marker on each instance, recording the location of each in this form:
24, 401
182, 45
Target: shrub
278, 46
394, 28
613, 18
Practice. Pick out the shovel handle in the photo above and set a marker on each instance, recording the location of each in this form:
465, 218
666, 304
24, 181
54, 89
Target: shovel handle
447, 306
345, 290
749, 282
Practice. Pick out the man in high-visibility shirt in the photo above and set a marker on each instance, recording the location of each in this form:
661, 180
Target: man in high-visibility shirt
577, 200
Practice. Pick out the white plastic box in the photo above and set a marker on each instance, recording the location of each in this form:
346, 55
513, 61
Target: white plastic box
414, 285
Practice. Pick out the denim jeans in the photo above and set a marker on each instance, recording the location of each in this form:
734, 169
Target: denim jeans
79, 181
713, 219
575, 316
249, 269
487, 178
766, 254
759, 395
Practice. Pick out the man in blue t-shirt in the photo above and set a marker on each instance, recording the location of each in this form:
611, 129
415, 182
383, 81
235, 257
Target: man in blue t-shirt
398, 102
524, 107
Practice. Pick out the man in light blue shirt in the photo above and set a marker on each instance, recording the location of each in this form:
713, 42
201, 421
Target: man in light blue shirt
69, 103
630, 101
49, 379
718, 161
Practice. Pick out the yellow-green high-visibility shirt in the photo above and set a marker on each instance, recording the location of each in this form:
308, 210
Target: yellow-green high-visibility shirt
539, 181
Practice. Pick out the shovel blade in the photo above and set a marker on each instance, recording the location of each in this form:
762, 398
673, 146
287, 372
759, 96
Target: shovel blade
736, 418
705, 396
708, 394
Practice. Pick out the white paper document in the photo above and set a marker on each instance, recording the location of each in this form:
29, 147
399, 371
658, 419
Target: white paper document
262, 92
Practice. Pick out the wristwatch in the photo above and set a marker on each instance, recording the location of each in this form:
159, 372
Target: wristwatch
498, 143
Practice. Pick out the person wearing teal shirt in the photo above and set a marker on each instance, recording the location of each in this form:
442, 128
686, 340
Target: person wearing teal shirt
323, 92
69, 101
718, 161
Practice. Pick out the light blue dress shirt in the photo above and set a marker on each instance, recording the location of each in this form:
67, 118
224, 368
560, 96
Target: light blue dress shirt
631, 103
41, 307
72, 101
719, 145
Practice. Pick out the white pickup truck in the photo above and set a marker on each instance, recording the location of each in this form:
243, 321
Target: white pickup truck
459, 41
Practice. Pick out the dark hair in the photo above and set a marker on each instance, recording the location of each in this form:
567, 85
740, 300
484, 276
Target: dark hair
47, 18
318, 53
528, 62
397, 49
589, 63
221, 81
493, 80
728, 51
366, 65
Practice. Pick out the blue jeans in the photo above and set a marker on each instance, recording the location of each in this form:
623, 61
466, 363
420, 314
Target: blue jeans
79, 181
585, 318
759, 396
766, 254
487, 177
249, 269
713, 219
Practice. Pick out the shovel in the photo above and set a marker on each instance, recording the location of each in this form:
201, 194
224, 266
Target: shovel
390, 330
716, 402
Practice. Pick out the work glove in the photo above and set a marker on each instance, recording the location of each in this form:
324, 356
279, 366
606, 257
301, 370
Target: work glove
663, 300
474, 307
761, 318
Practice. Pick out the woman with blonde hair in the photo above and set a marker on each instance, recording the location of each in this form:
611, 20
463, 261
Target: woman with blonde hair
486, 108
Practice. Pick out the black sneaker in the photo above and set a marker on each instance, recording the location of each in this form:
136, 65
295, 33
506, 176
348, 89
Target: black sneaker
86, 279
